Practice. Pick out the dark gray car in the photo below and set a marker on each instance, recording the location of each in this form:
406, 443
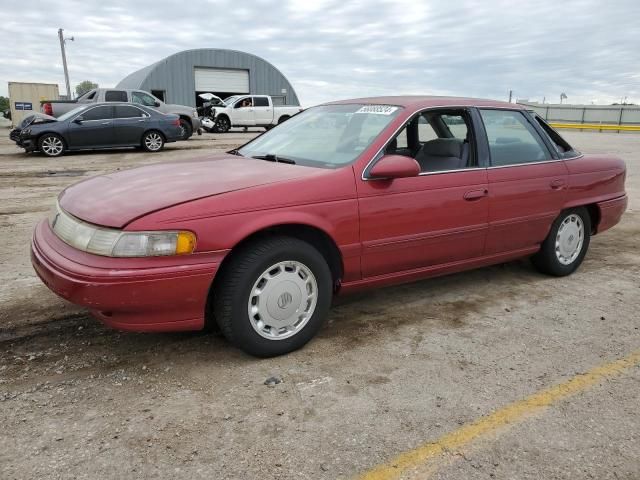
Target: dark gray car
99, 126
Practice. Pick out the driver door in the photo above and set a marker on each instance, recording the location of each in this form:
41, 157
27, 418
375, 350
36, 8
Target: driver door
243, 116
95, 129
435, 219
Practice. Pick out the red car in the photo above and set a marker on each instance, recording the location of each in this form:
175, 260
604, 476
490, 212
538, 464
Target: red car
348, 195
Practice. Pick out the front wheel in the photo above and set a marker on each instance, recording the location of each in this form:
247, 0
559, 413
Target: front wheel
152, 141
273, 296
51, 145
564, 249
222, 125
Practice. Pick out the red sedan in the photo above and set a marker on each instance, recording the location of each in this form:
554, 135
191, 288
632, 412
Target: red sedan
348, 195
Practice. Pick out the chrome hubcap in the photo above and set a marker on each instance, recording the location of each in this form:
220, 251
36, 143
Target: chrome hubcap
52, 146
153, 141
282, 300
569, 239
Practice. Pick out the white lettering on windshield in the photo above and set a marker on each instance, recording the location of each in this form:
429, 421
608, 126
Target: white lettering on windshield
378, 109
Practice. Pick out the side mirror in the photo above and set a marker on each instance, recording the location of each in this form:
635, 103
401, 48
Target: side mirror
156, 103
79, 119
395, 166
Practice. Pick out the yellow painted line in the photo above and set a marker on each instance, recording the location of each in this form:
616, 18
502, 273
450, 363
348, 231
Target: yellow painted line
512, 413
597, 126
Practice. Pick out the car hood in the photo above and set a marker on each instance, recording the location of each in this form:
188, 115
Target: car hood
116, 199
36, 118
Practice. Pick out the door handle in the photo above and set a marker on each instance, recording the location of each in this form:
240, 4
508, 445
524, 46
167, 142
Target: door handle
475, 194
558, 183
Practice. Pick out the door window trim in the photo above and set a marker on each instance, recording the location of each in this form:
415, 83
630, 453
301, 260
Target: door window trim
467, 108
144, 114
93, 108
550, 151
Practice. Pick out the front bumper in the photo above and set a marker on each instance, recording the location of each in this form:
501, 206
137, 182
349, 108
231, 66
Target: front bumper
144, 295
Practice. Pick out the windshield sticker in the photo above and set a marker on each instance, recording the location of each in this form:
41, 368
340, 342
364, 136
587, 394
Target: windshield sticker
378, 109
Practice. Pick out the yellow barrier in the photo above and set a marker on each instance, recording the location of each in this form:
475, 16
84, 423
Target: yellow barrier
596, 126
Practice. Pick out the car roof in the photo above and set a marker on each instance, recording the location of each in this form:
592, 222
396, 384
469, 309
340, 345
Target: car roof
426, 101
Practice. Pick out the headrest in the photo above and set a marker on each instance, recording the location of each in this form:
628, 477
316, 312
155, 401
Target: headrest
444, 147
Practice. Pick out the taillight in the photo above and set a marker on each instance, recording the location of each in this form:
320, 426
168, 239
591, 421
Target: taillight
176, 122
48, 109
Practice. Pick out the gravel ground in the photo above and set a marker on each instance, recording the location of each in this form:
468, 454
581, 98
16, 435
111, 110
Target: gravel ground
392, 368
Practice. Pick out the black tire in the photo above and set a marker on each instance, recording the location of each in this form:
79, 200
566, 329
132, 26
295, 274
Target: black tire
547, 259
152, 141
283, 119
51, 145
187, 129
233, 290
223, 125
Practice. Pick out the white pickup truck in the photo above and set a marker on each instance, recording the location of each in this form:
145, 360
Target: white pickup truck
251, 111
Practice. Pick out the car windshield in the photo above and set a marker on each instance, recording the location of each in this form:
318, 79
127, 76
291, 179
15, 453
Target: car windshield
71, 113
327, 136
229, 100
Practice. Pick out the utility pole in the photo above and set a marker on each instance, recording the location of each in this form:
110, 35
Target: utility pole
64, 61
510, 95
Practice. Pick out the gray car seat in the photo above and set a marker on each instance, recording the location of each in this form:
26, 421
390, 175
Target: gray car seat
443, 154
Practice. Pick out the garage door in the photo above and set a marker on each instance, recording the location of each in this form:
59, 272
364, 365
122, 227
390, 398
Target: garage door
220, 80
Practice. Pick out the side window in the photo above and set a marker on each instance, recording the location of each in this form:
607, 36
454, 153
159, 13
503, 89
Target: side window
260, 102
456, 125
437, 140
512, 140
564, 149
127, 111
98, 113
91, 95
143, 99
425, 130
115, 96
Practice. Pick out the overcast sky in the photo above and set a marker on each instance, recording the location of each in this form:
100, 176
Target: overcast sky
329, 49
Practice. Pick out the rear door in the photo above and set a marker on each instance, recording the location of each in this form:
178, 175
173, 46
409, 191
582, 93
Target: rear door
95, 129
527, 182
129, 124
263, 111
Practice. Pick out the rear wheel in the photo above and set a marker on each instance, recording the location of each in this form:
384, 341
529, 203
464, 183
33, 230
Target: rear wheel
51, 145
273, 296
283, 119
565, 247
187, 129
152, 141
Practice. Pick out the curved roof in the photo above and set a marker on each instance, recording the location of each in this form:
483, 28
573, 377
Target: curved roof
175, 74
425, 101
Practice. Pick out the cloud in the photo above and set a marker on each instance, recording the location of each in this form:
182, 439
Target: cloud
333, 49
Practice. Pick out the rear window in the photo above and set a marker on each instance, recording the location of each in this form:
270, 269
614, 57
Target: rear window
562, 147
512, 139
260, 102
126, 111
115, 96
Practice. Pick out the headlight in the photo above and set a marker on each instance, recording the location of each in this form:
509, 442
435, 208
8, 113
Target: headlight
26, 132
111, 242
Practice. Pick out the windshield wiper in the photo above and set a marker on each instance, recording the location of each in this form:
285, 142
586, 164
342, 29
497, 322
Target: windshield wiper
274, 158
235, 152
